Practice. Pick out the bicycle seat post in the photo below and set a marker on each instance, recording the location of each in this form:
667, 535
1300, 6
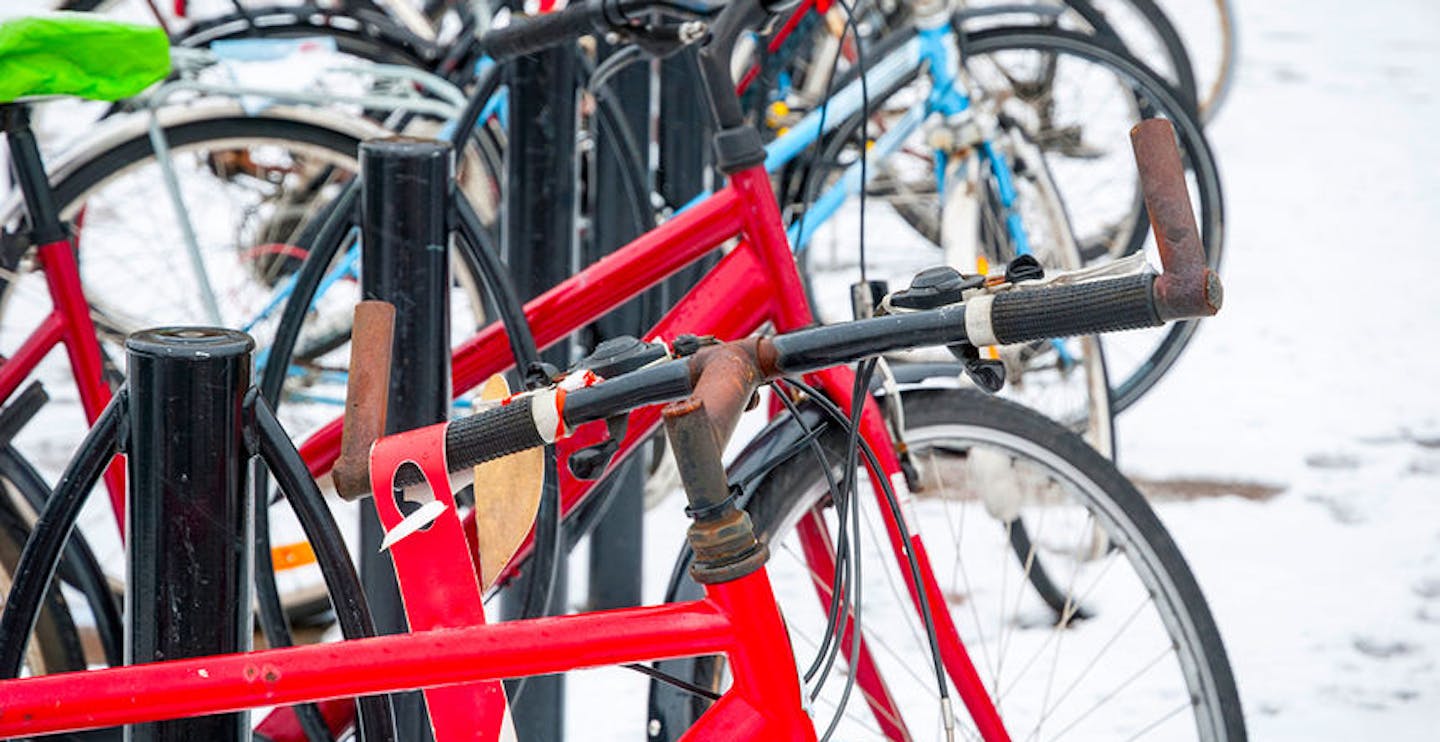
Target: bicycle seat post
29, 169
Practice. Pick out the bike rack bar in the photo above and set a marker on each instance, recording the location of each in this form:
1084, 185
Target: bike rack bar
616, 546
405, 260
188, 530
539, 240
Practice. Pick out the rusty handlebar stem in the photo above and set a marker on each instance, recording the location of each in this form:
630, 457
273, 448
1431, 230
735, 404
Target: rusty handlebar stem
1187, 288
724, 378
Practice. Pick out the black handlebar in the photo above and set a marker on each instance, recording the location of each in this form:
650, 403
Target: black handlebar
1110, 305
530, 34
1019, 313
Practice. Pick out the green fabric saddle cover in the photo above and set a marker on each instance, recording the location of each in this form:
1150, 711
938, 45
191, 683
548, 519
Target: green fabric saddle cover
78, 55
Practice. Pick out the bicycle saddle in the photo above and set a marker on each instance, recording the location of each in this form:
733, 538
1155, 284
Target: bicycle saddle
81, 56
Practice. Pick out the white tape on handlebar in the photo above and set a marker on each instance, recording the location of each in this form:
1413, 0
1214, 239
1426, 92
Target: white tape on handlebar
977, 321
546, 413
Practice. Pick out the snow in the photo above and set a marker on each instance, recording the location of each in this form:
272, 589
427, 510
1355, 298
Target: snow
1318, 376
1317, 380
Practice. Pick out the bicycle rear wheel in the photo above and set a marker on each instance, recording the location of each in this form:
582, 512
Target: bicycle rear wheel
1136, 652
251, 185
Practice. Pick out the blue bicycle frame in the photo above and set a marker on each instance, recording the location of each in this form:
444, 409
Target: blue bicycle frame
932, 50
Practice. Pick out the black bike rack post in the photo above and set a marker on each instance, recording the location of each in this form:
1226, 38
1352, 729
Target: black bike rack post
616, 545
538, 239
405, 260
683, 171
188, 524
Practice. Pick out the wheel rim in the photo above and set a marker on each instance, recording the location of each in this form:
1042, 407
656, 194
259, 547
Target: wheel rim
1167, 620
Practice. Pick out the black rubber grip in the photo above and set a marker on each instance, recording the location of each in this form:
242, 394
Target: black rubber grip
483, 436
529, 34
1115, 304
491, 434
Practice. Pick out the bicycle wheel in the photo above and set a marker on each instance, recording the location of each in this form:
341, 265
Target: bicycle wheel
1210, 33
914, 223
1137, 651
55, 645
1147, 34
251, 186
362, 33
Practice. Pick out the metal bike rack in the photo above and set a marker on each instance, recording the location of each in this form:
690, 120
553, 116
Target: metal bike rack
405, 260
538, 240
616, 546
188, 530
685, 139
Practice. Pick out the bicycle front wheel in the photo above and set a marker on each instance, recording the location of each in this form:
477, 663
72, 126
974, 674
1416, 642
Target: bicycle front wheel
1134, 652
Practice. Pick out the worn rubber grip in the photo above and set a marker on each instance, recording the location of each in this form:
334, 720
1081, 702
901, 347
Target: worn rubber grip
496, 432
535, 33
491, 434
1081, 309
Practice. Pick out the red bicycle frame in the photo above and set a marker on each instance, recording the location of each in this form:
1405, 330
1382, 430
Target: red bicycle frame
737, 619
68, 323
754, 284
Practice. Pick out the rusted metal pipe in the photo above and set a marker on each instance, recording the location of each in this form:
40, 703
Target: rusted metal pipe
366, 392
1188, 288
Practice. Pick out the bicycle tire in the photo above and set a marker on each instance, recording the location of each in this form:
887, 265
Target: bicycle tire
1179, 69
791, 486
1215, 63
363, 34
1219, 91
55, 645
133, 151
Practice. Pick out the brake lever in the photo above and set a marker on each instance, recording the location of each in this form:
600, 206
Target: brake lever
662, 40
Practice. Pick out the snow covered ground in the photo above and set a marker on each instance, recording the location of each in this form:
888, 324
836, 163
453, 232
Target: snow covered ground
1308, 413
1319, 376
